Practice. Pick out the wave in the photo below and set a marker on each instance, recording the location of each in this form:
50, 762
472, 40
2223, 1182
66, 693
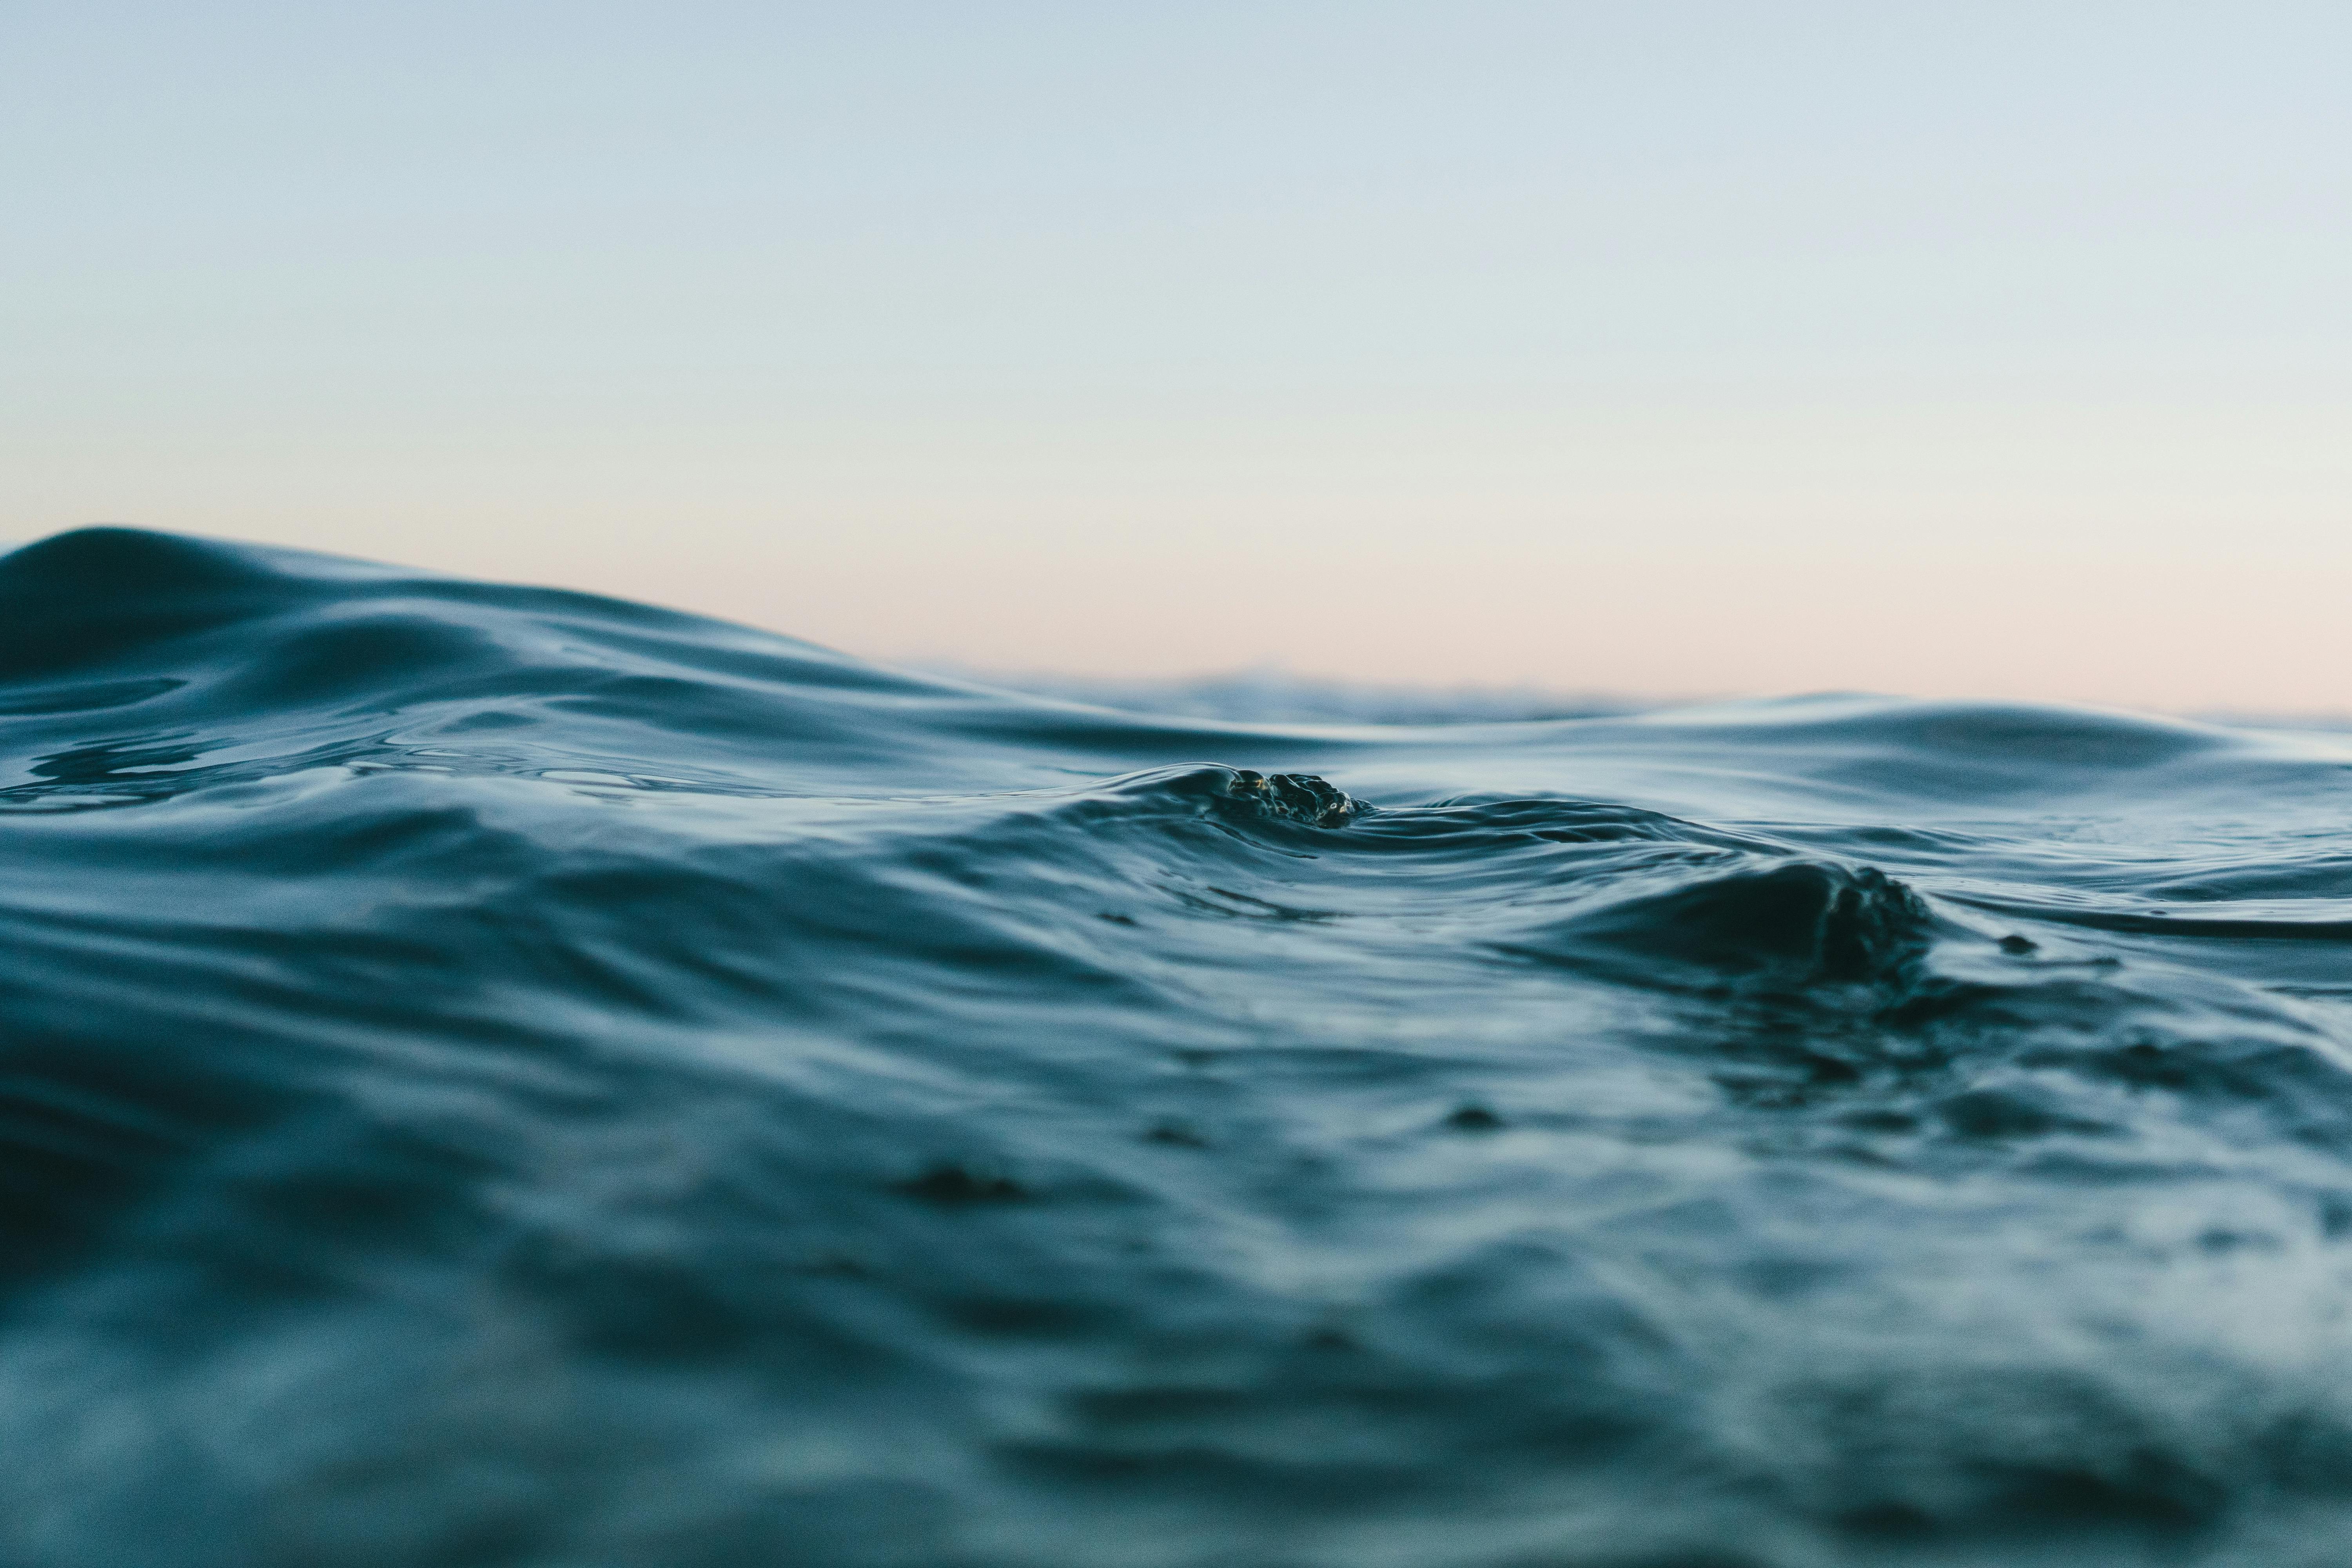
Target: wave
498, 1076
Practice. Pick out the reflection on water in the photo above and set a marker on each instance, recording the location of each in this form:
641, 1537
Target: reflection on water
491, 1076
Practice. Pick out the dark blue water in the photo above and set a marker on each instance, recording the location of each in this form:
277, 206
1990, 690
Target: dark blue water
498, 1077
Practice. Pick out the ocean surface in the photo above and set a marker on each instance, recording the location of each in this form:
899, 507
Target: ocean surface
493, 1076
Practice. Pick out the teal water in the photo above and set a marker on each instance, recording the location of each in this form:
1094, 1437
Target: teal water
490, 1076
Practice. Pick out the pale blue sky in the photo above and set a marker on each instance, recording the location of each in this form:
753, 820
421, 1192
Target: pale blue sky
2001, 349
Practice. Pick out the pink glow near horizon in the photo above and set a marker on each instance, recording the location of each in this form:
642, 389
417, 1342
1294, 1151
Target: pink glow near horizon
1658, 351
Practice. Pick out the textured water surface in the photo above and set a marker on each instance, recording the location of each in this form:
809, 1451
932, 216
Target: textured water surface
495, 1077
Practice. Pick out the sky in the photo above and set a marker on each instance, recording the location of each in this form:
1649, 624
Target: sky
1998, 351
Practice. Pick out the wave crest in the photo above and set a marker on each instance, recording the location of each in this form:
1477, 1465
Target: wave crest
495, 1074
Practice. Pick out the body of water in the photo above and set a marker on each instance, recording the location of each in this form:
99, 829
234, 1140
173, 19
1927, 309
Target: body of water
490, 1076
